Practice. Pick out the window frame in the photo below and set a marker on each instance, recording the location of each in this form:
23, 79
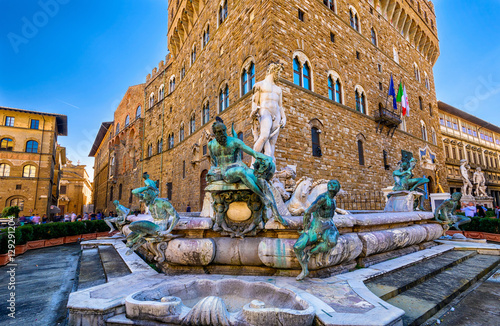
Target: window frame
31, 171
31, 147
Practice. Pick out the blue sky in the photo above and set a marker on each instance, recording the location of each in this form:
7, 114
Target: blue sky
78, 58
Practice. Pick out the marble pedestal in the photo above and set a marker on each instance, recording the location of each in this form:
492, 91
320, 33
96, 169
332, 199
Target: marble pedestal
401, 201
438, 199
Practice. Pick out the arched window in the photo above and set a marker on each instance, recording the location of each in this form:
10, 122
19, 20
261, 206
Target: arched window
127, 121
416, 71
117, 128
330, 4
150, 150
138, 112
6, 144
192, 125
206, 113
316, 146
223, 98
223, 12
171, 141
181, 133
151, 100
420, 103
31, 146
395, 54
297, 72
4, 170
424, 131
206, 36
306, 73
427, 84
111, 194
374, 37
29, 171
360, 101
193, 55
354, 19
302, 74
248, 79
172, 84
160, 146
430, 110
161, 92
183, 71
120, 191
19, 202
361, 153
334, 88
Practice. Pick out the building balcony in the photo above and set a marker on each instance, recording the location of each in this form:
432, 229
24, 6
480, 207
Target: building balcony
387, 118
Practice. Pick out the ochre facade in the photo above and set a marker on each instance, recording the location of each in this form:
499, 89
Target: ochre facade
75, 190
30, 159
359, 43
477, 141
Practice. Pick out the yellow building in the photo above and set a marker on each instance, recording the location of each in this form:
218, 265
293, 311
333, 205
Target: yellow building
29, 159
75, 190
468, 137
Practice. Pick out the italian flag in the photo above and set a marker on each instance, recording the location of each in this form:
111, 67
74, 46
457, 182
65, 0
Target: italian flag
403, 98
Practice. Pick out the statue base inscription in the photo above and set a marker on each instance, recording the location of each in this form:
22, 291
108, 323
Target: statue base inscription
402, 201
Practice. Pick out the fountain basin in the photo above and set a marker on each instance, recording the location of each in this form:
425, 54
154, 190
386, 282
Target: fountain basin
226, 302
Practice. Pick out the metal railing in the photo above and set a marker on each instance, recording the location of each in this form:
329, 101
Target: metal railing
368, 201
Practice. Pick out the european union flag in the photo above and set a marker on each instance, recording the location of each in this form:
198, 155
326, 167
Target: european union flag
392, 92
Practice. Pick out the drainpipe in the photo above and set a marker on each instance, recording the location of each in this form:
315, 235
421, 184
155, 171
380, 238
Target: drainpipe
39, 167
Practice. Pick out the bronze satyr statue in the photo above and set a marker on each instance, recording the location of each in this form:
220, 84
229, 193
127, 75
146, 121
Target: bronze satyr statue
227, 166
445, 212
161, 209
320, 234
120, 220
404, 181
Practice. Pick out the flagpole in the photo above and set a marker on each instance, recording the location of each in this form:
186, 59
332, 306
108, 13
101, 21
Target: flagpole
387, 98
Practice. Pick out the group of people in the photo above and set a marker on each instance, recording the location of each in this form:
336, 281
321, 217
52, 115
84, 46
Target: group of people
34, 219
37, 219
472, 210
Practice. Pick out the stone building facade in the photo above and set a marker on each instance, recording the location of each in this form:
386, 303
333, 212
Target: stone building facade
338, 58
468, 137
75, 189
29, 159
118, 151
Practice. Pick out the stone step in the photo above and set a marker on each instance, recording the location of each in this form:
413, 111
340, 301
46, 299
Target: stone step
122, 320
425, 299
392, 284
113, 264
91, 270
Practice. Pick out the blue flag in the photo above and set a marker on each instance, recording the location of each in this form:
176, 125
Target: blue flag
392, 93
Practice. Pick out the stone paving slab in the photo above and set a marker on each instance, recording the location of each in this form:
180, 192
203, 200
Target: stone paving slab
91, 270
112, 263
425, 299
43, 280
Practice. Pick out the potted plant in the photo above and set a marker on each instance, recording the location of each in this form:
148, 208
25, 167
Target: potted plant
38, 237
55, 233
73, 231
23, 235
102, 228
4, 257
89, 232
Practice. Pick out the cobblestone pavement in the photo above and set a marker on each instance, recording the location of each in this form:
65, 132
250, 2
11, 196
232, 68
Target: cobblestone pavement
44, 279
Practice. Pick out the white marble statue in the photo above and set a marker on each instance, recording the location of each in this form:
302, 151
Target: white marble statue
267, 111
480, 182
464, 173
305, 193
